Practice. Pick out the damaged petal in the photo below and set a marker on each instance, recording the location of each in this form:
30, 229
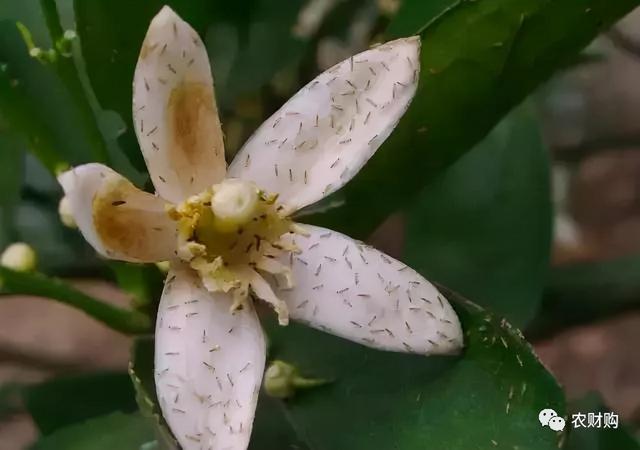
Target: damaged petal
263, 291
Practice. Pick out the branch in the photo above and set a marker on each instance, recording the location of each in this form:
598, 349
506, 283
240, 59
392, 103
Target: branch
603, 144
119, 319
584, 293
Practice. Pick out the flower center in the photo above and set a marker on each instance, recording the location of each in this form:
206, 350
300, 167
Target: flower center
231, 235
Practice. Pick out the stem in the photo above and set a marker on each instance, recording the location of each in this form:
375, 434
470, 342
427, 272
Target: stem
582, 150
306, 383
119, 319
584, 293
68, 72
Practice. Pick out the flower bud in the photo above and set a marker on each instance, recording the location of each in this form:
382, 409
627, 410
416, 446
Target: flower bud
281, 380
19, 257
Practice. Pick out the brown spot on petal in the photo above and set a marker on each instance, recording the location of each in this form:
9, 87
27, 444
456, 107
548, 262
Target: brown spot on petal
131, 228
195, 135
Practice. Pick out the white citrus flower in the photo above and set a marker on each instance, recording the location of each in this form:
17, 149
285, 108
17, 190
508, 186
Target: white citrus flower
228, 232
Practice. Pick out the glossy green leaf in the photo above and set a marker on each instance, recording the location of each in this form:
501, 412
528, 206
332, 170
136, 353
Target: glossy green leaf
489, 397
414, 15
478, 60
61, 402
113, 431
37, 284
483, 228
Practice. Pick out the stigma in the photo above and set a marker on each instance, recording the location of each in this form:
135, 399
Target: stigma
231, 235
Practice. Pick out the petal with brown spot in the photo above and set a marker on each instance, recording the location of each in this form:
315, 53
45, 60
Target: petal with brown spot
174, 110
116, 218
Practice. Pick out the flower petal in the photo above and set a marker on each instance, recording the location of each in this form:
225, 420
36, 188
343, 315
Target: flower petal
174, 110
354, 291
209, 364
119, 220
324, 135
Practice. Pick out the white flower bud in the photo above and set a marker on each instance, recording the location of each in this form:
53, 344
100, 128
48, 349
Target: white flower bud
20, 257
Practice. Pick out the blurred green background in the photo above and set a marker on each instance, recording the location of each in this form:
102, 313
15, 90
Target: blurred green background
511, 181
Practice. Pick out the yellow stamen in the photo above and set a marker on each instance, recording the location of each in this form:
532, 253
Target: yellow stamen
231, 232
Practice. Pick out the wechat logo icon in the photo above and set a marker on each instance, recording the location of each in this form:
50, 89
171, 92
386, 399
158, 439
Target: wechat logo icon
549, 418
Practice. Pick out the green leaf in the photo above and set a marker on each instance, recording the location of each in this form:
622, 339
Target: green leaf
11, 169
247, 51
489, 397
415, 15
113, 431
483, 228
271, 429
478, 60
599, 438
64, 401
42, 286
18, 75
10, 400
44, 102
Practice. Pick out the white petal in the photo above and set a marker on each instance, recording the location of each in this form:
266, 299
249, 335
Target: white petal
174, 110
324, 135
354, 291
119, 220
209, 365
